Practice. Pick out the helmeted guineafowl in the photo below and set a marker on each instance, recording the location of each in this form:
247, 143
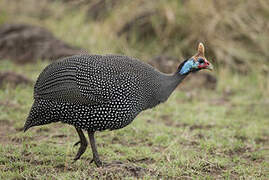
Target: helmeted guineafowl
95, 92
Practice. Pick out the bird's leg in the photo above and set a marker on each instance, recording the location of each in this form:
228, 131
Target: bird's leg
83, 144
94, 150
76, 143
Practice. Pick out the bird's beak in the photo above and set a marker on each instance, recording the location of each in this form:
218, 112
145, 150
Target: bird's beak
206, 65
210, 67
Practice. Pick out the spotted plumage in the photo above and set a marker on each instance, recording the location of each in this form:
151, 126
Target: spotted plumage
95, 93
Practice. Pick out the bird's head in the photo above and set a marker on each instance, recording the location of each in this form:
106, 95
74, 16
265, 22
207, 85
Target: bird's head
196, 62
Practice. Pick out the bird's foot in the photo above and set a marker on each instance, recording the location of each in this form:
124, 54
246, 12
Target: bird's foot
98, 163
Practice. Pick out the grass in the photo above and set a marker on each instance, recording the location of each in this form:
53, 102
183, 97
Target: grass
213, 134
197, 134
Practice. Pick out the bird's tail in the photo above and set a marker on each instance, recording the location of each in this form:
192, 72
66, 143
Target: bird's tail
34, 118
27, 125
41, 113
29, 120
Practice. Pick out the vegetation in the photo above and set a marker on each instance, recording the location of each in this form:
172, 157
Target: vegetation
201, 134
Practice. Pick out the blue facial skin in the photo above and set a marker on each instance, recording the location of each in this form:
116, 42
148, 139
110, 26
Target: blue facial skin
190, 64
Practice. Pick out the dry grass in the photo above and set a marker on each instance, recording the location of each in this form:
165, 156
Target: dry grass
235, 32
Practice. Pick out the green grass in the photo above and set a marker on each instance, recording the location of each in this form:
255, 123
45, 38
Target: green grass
199, 134
214, 134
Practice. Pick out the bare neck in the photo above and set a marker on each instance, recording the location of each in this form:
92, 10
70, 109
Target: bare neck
168, 85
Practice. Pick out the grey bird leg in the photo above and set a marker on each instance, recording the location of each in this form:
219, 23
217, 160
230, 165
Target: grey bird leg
83, 144
95, 155
77, 143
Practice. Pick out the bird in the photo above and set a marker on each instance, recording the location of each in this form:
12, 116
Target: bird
103, 92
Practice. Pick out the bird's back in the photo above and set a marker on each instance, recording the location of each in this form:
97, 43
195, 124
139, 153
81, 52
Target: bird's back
90, 79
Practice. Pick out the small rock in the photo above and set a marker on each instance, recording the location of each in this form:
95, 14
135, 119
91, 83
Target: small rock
26, 43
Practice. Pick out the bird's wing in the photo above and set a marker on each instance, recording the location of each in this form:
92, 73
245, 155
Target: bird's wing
90, 79
58, 82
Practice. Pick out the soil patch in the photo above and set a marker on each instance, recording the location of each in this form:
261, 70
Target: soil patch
197, 126
238, 151
262, 140
59, 136
142, 160
169, 122
121, 170
13, 79
5, 130
209, 167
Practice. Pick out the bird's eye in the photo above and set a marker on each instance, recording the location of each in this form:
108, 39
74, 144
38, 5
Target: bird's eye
201, 60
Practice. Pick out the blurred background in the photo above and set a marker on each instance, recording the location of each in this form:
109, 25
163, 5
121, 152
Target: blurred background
227, 108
